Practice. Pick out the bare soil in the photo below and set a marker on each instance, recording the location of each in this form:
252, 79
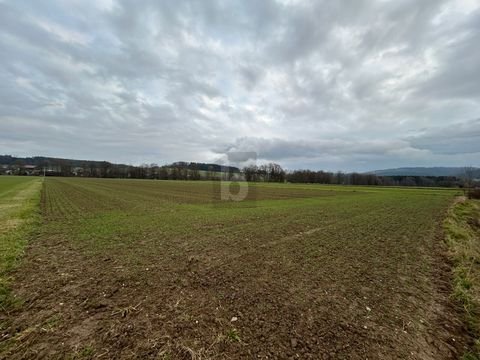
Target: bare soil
292, 296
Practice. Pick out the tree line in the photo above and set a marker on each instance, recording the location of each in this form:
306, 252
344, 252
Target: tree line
340, 178
270, 172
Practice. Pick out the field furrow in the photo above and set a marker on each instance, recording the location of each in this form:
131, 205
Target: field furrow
165, 269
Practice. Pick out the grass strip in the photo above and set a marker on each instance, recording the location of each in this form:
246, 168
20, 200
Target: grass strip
19, 220
462, 227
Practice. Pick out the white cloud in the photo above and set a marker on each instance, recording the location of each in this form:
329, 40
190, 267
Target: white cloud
339, 85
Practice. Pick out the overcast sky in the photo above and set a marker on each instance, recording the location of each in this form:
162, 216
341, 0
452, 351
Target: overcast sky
336, 85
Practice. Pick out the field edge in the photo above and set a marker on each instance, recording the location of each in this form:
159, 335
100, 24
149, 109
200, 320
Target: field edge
462, 235
26, 219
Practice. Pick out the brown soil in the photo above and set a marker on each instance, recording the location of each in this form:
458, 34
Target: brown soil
80, 305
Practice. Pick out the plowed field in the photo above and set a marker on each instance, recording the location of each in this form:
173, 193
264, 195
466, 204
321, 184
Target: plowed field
166, 270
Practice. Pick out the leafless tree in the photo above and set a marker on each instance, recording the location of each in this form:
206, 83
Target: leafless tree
468, 177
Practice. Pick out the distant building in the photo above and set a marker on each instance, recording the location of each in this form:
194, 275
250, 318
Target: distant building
29, 170
78, 171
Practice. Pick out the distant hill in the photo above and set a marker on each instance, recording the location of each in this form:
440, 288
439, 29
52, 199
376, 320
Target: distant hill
40, 161
426, 171
43, 161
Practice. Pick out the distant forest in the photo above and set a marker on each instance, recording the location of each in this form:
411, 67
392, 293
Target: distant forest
39, 165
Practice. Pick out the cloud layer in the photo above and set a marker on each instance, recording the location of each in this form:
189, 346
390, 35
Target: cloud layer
351, 85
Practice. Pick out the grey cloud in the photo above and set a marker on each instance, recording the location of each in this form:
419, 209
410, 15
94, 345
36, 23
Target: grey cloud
279, 149
319, 83
251, 75
457, 138
457, 75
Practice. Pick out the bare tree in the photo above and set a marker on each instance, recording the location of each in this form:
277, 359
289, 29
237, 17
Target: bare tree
468, 177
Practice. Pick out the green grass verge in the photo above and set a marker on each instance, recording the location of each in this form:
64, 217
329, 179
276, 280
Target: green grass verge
463, 238
19, 221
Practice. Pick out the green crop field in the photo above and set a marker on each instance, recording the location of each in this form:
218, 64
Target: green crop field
167, 270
